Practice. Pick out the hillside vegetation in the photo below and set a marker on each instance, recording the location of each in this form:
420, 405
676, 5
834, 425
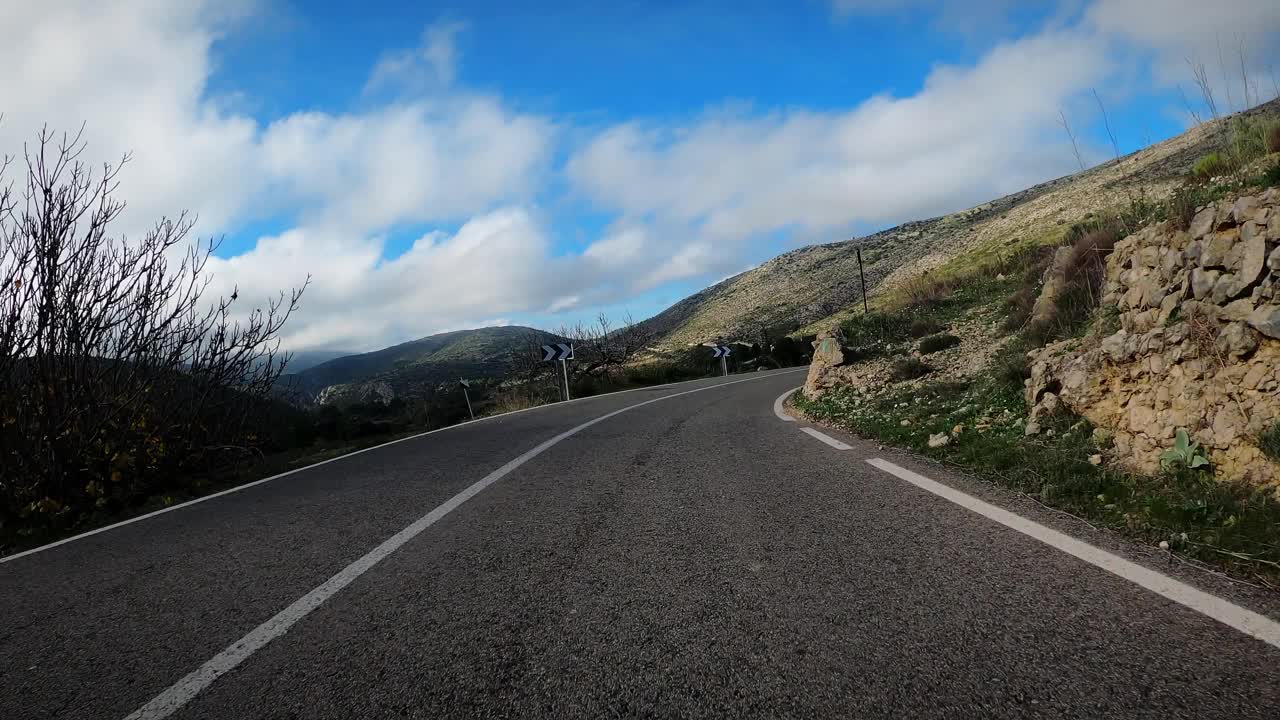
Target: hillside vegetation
408, 369
1122, 369
815, 287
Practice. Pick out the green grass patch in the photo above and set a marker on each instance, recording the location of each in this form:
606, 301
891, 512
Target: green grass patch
1227, 525
877, 328
1211, 165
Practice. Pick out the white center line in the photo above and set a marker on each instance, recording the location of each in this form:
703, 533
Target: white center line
1227, 613
826, 439
777, 405
181, 692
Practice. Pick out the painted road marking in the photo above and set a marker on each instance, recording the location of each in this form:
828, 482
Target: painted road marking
826, 439
777, 405
246, 486
1227, 613
181, 692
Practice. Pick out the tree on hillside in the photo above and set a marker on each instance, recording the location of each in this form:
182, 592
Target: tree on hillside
117, 373
600, 347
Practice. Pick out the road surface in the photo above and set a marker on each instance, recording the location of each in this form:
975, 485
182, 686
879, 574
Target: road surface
671, 552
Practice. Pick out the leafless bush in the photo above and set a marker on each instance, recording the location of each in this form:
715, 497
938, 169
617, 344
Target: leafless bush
600, 348
116, 373
1201, 75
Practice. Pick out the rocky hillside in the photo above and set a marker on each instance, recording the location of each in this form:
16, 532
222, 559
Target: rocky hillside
812, 287
408, 369
1195, 346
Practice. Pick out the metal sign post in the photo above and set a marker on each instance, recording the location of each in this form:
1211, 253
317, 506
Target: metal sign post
722, 352
563, 353
467, 395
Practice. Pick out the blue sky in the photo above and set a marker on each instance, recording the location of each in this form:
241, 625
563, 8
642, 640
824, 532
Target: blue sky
434, 166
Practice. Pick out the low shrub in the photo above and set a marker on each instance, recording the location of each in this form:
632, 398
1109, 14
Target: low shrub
1185, 201
1017, 308
1249, 139
909, 369
1271, 137
877, 328
1269, 442
1079, 282
859, 354
936, 343
927, 292
1011, 366
920, 327
1270, 177
1211, 165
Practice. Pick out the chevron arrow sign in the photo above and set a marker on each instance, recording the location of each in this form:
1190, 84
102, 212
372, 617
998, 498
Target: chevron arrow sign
720, 351
559, 351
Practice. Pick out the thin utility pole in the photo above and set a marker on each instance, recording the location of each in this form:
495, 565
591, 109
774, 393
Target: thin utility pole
863, 279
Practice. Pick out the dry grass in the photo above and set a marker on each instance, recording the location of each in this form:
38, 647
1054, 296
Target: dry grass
512, 401
1271, 138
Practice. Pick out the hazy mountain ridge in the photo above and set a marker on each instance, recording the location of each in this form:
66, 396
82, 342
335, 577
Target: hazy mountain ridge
410, 368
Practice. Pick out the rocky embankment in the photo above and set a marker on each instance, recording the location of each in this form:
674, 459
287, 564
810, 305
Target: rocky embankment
1189, 338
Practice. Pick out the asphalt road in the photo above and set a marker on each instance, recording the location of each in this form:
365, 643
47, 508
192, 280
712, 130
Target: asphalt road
692, 557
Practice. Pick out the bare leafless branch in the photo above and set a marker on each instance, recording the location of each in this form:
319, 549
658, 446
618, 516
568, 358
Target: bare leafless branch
1226, 82
1244, 73
1201, 75
1187, 105
1106, 121
1075, 147
116, 370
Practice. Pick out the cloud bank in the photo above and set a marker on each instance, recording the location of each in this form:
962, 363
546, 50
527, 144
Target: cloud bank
687, 199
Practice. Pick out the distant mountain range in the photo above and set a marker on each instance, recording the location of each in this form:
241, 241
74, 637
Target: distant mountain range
408, 369
307, 359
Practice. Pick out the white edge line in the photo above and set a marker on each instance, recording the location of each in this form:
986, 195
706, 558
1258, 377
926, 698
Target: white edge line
778, 405
1228, 613
246, 486
826, 439
181, 692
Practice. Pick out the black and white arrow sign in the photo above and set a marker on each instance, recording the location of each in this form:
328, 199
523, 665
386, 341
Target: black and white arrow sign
559, 351
720, 351
464, 383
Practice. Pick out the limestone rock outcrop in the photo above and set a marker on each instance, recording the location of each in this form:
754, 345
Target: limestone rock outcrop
828, 355
1198, 344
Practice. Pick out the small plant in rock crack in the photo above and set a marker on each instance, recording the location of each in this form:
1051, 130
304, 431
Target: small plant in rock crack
1184, 454
1269, 442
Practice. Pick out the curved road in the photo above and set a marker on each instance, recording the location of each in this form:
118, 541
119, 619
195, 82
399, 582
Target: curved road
671, 552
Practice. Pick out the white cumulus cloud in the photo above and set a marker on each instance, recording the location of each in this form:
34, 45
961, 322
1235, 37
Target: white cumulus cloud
682, 199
